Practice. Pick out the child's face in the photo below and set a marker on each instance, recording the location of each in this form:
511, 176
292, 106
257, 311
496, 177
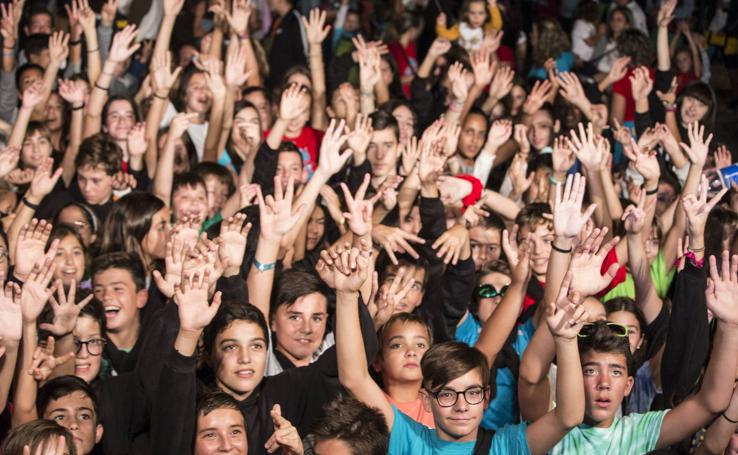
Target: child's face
198, 97
476, 14
606, 383
117, 291
683, 61
411, 222
247, 127
540, 134
315, 228
221, 431
74, 216
95, 184
289, 164
472, 137
352, 22
86, 365
155, 241
629, 320
403, 346
190, 201
487, 306
120, 119
300, 327
692, 110
36, 148
406, 122
542, 237
485, 245
54, 113
460, 421
75, 412
239, 358
217, 194
70, 261
414, 298
382, 153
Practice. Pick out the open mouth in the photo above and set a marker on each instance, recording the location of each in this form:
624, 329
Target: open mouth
304, 340
603, 402
111, 311
245, 374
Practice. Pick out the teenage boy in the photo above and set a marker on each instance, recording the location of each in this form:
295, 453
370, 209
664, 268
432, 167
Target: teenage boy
455, 381
71, 402
486, 240
118, 281
608, 378
189, 197
349, 427
380, 157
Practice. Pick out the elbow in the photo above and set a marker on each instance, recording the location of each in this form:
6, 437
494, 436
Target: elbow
569, 420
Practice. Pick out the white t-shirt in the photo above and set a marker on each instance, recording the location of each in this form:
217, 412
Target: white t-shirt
197, 132
581, 31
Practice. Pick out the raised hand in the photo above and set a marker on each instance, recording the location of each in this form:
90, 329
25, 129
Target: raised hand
521, 137
568, 219
439, 47
510, 245
369, 68
566, 317
502, 83
85, 15
537, 96
277, 217
634, 217
235, 68
395, 239
293, 103
431, 162
123, 45
618, 70
644, 161
571, 89
331, 161
360, 137
191, 297
451, 243
666, 13
58, 47
30, 247
482, 68
697, 209
586, 264
8, 25
641, 83
35, 291
585, 147
11, 315
137, 142
350, 267
520, 181
410, 154
698, 146
232, 242
44, 361
315, 26
173, 262
162, 76
33, 95
562, 156
214, 78
457, 81
239, 18
203, 258
122, 181
172, 7
285, 436
722, 289
108, 12
9, 157
180, 123
499, 133
65, 309
388, 299
360, 211
73, 92
723, 157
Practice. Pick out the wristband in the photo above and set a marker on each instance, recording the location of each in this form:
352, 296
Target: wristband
559, 249
104, 89
90, 51
697, 250
728, 418
652, 192
263, 267
29, 204
552, 180
160, 97
75, 42
81, 106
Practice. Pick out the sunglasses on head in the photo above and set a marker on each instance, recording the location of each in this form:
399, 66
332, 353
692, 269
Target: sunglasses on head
616, 329
487, 291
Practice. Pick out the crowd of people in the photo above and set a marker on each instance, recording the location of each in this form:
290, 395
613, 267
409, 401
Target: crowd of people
367, 227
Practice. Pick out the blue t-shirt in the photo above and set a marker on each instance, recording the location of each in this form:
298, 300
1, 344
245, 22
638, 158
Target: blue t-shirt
409, 437
564, 63
503, 409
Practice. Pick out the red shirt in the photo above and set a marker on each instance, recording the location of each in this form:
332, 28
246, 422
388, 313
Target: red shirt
308, 142
407, 61
622, 87
683, 79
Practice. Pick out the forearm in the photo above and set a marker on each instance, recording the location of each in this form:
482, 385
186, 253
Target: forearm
718, 434
186, 341
596, 188
75, 139
317, 75
614, 207
64, 346
558, 264
276, 133
94, 61
717, 385
352, 363
252, 65
646, 298
497, 328
366, 100
662, 50
498, 203
98, 98
18, 133
153, 120
23, 215
7, 371
216, 43
24, 400
161, 45
569, 384
164, 178
260, 282
214, 130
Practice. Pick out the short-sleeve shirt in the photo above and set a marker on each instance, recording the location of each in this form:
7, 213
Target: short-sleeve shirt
633, 434
308, 142
622, 87
661, 276
408, 437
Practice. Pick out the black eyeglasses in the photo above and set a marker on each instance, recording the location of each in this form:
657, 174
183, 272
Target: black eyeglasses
94, 346
487, 291
616, 329
448, 397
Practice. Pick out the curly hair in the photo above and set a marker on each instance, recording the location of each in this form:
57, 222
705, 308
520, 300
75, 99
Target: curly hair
635, 44
552, 40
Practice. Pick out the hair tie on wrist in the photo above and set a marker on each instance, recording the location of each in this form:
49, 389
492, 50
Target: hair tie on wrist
160, 97
104, 89
81, 106
29, 204
75, 42
652, 192
697, 250
559, 249
728, 418
90, 51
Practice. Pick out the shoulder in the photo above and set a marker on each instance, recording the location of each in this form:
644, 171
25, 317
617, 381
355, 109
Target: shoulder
408, 436
510, 439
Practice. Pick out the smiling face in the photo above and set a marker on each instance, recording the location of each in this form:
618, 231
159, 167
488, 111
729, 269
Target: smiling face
300, 327
692, 110
120, 119
403, 346
122, 302
154, 243
460, 421
606, 383
70, 261
315, 228
192, 201
36, 148
542, 237
221, 431
239, 358
86, 365
76, 413
198, 97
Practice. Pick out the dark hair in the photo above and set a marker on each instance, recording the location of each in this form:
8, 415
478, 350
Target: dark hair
703, 93
635, 44
188, 144
112, 99
229, 312
347, 419
94, 309
394, 103
498, 266
100, 150
123, 261
36, 434
36, 9
86, 211
492, 221
62, 386
297, 69
61, 231
587, 10
180, 98
601, 339
403, 260
208, 168
128, 223
444, 362
36, 44
289, 147
382, 120
249, 90
187, 179
23, 69
628, 305
292, 284
622, 10
215, 399
533, 214
721, 226
401, 24
402, 318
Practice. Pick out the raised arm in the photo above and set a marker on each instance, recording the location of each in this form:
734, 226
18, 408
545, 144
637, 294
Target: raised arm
86, 16
216, 84
32, 97
717, 384
171, 9
73, 93
11, 331
164, 178
294, 101
162, 80
664, 17
317, 32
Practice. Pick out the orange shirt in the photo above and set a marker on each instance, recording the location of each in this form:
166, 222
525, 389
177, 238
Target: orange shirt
415, 411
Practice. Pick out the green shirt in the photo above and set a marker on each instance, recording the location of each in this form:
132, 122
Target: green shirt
661, 275
632, 434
